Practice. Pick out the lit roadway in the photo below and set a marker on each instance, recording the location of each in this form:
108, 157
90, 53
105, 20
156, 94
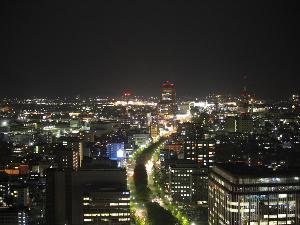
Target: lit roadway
138, 209
149, 157
166, 201
142, 156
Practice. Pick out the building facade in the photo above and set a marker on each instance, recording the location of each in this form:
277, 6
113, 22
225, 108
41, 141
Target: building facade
200, 151
87, 196
13, 216
167, 105
242, 195
187, 182
106, 206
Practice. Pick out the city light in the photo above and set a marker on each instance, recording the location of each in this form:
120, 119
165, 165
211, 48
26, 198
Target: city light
4, 123
145, 113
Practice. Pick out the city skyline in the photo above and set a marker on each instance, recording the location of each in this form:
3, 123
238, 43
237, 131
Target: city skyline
149, 113
100, 48
139, 161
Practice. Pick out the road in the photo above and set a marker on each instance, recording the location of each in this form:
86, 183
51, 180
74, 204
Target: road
146, 206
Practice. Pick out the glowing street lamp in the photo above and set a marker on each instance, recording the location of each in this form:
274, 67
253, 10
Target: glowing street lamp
4, 123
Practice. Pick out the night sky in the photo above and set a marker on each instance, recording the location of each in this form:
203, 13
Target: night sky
52, 48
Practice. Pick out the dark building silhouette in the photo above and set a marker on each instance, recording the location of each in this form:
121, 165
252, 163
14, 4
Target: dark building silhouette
87, 196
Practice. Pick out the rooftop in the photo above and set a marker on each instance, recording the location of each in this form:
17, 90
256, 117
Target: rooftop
243, 170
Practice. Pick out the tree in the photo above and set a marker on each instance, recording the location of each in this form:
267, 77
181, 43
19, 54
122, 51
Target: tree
159, 216
141, 182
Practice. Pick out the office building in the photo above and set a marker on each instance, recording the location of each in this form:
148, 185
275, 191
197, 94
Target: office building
190, 131
239, 194
167, 106
4, 190
200, 150
187, 182
67, 157
141, 140
154, 132
13, 216
105, 206
241, 124
87, 196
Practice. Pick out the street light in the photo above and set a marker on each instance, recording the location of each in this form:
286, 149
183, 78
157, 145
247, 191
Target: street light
4, 123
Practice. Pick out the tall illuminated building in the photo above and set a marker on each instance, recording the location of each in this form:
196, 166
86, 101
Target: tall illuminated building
243, 123
201, 151
126, 97
239, 194
187, 182
106, 206
168, 92
244, 98
167, 106
197, 146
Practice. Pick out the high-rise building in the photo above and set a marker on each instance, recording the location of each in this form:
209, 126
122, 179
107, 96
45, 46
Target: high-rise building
168, 92
190, 131
13, 193
200, 186
197, 145
106, 206
239, 194
186, 182
87, 196
19, 195
66, 157
13, 216
243, 104
4, 190
245, 124
175, 148
75, 144
200, 150
167, 105
230, 124
242, 124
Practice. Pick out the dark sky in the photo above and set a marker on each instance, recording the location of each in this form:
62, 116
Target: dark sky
103, 47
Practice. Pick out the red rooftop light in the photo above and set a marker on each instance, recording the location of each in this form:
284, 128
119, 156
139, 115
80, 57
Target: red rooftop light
126, 93
168, 84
